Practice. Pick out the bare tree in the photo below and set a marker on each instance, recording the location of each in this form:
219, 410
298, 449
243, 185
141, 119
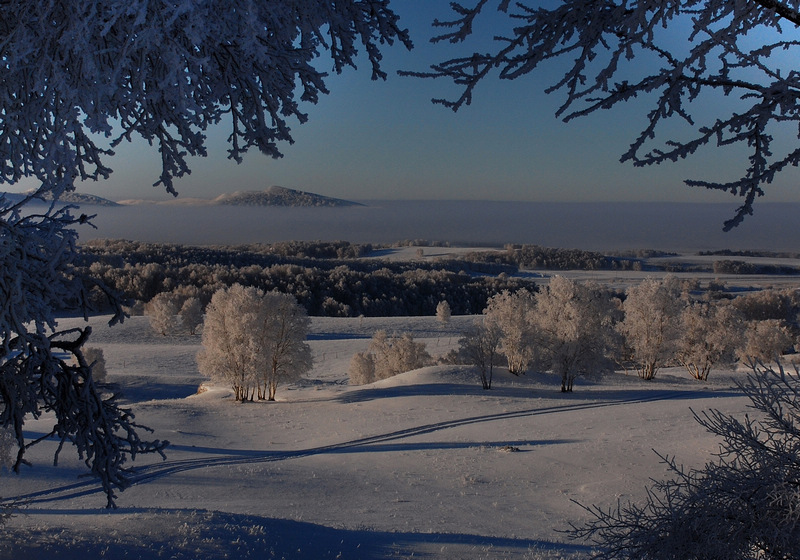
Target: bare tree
651, 324
745, 504
513, 314
676, 55
575, 322
480, 345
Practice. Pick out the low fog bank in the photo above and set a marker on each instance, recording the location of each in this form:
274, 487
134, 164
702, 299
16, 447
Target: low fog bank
592, 226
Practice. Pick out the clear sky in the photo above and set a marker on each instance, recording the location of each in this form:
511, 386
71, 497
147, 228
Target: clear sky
386, 140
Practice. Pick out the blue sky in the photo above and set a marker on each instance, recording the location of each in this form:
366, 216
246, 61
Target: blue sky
386, 140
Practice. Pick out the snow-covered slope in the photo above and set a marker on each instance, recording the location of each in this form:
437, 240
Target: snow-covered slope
425, 464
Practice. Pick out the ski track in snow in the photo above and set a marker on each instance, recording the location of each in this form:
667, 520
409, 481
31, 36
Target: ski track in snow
145, 474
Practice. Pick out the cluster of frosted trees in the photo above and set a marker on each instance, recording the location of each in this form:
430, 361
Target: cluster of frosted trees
386, 357
253, 341
573, 329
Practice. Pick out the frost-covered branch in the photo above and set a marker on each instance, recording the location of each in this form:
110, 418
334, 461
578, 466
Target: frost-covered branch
744, 504
166, 71
36, 375
676, 53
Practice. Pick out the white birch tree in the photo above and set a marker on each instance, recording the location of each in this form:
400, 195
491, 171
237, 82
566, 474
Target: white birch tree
681, 57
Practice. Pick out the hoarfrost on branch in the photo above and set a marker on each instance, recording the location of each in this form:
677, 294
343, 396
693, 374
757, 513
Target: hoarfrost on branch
616, 51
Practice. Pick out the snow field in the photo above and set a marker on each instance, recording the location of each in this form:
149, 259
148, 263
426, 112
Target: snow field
423, 464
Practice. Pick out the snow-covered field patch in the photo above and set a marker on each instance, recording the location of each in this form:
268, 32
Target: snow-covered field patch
425, 464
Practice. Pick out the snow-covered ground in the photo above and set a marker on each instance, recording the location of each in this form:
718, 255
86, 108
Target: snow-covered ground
426, 464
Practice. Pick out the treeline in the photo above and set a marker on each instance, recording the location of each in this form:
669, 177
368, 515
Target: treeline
536, 257
323, 281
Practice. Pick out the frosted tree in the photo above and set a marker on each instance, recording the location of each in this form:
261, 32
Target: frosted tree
709, 334
745, 504
764, 343
78, 81
480, 346
651, 325
443, 313
280, 337
575, 322
254, 341
191, 314
725, 70
162, 311
513, 314
230, 353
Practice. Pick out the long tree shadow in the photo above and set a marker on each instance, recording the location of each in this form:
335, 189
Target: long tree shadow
146, 473
212, 535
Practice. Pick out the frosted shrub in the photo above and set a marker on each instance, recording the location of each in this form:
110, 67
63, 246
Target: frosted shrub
388, 356
764, 343
362, 369
254, 341
709, 335
575, 328
443, 313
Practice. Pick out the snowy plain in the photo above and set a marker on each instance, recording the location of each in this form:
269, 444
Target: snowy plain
424, 465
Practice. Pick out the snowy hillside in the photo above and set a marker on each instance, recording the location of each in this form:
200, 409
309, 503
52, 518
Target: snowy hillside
424, 464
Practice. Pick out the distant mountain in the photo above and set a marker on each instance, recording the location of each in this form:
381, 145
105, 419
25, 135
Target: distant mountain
279, 196
76, 198
273, 196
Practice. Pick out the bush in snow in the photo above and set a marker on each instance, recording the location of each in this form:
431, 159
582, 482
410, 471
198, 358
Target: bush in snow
709, 335
764, 343
362, 369
575, 326
743, 505
388, 356
443, 312
513, 315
